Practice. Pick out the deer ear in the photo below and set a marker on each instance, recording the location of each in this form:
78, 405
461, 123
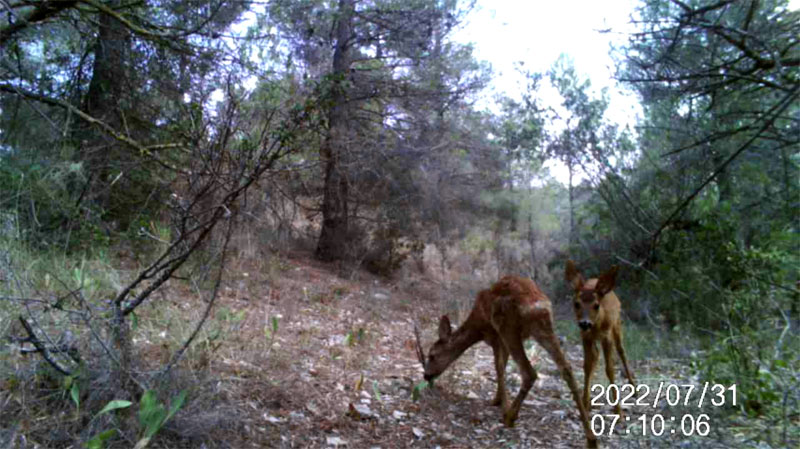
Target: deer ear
607, 281
573, 276
444, 328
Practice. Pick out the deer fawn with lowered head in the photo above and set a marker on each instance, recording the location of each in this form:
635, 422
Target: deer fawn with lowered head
504, 316
597, 310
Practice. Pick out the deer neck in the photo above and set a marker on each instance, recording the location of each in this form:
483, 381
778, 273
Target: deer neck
464, 338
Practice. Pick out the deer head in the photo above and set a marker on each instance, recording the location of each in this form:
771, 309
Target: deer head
588, 295
441, 354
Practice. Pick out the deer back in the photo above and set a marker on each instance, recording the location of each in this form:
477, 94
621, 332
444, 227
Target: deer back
519, 306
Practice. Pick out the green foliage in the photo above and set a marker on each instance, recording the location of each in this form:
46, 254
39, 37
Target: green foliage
231, 317
754, 348
476, 242
269, 333
520, 129
45, 201
226, 322
99, 441
152, 417
417, 390
153, 414
376, 391
354, 337
114, 405
74, 393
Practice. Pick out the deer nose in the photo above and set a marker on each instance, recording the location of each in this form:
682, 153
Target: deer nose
585, 324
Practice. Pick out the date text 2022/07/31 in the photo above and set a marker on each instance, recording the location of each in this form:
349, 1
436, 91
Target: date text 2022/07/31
688, 396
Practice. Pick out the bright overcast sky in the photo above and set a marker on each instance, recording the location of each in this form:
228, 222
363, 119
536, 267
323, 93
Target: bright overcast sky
505, 32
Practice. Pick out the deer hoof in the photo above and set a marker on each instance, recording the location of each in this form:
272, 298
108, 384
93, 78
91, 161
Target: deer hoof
509, 419
495, 402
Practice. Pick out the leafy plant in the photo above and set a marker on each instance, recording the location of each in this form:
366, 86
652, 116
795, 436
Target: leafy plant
153, 415
417, 390
376, 391
270, 332
71, 385
99, 440
354, 337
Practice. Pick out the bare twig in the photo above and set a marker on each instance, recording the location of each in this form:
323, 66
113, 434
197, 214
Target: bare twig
42, 349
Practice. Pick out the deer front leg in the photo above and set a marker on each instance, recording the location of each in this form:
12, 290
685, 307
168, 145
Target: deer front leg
608, 354
517, 350
617, 335
589, 360
500, 362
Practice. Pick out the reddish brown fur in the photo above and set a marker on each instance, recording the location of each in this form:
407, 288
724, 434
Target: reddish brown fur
597, 311
504, 316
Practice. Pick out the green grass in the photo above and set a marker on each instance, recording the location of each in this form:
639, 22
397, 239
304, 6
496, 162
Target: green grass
644, 342
641, 342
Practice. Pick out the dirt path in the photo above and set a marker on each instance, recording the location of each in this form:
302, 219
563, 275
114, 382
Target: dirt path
341, 369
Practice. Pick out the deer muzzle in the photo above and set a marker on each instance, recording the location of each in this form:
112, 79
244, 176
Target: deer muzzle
429, 378
585, 325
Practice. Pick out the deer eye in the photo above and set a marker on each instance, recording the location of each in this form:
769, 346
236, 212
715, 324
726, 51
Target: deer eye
577, 305
597, 307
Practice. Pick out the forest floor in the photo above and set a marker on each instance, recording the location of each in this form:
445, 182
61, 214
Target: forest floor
296, 354
311, 359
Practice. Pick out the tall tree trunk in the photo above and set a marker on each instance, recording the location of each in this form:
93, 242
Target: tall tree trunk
333, 238
512, 220
108, 83
532, 243
571, 169
108, 88
101, 153
724, 179
789, 180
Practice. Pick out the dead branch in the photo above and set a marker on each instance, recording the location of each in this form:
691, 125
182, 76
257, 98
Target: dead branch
42, 349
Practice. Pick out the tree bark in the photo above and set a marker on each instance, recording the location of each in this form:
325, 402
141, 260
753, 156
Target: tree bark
109, 80
100, 153
333, 240
532, 243
724, 181
104, 100
571, 169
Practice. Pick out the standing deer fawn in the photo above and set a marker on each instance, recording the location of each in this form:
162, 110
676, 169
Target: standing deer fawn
504, 316
597, 310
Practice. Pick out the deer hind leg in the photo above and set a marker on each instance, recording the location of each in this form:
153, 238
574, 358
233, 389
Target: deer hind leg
589, 360
608, 354
514, 345
500, 362
548, 340
617, 335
